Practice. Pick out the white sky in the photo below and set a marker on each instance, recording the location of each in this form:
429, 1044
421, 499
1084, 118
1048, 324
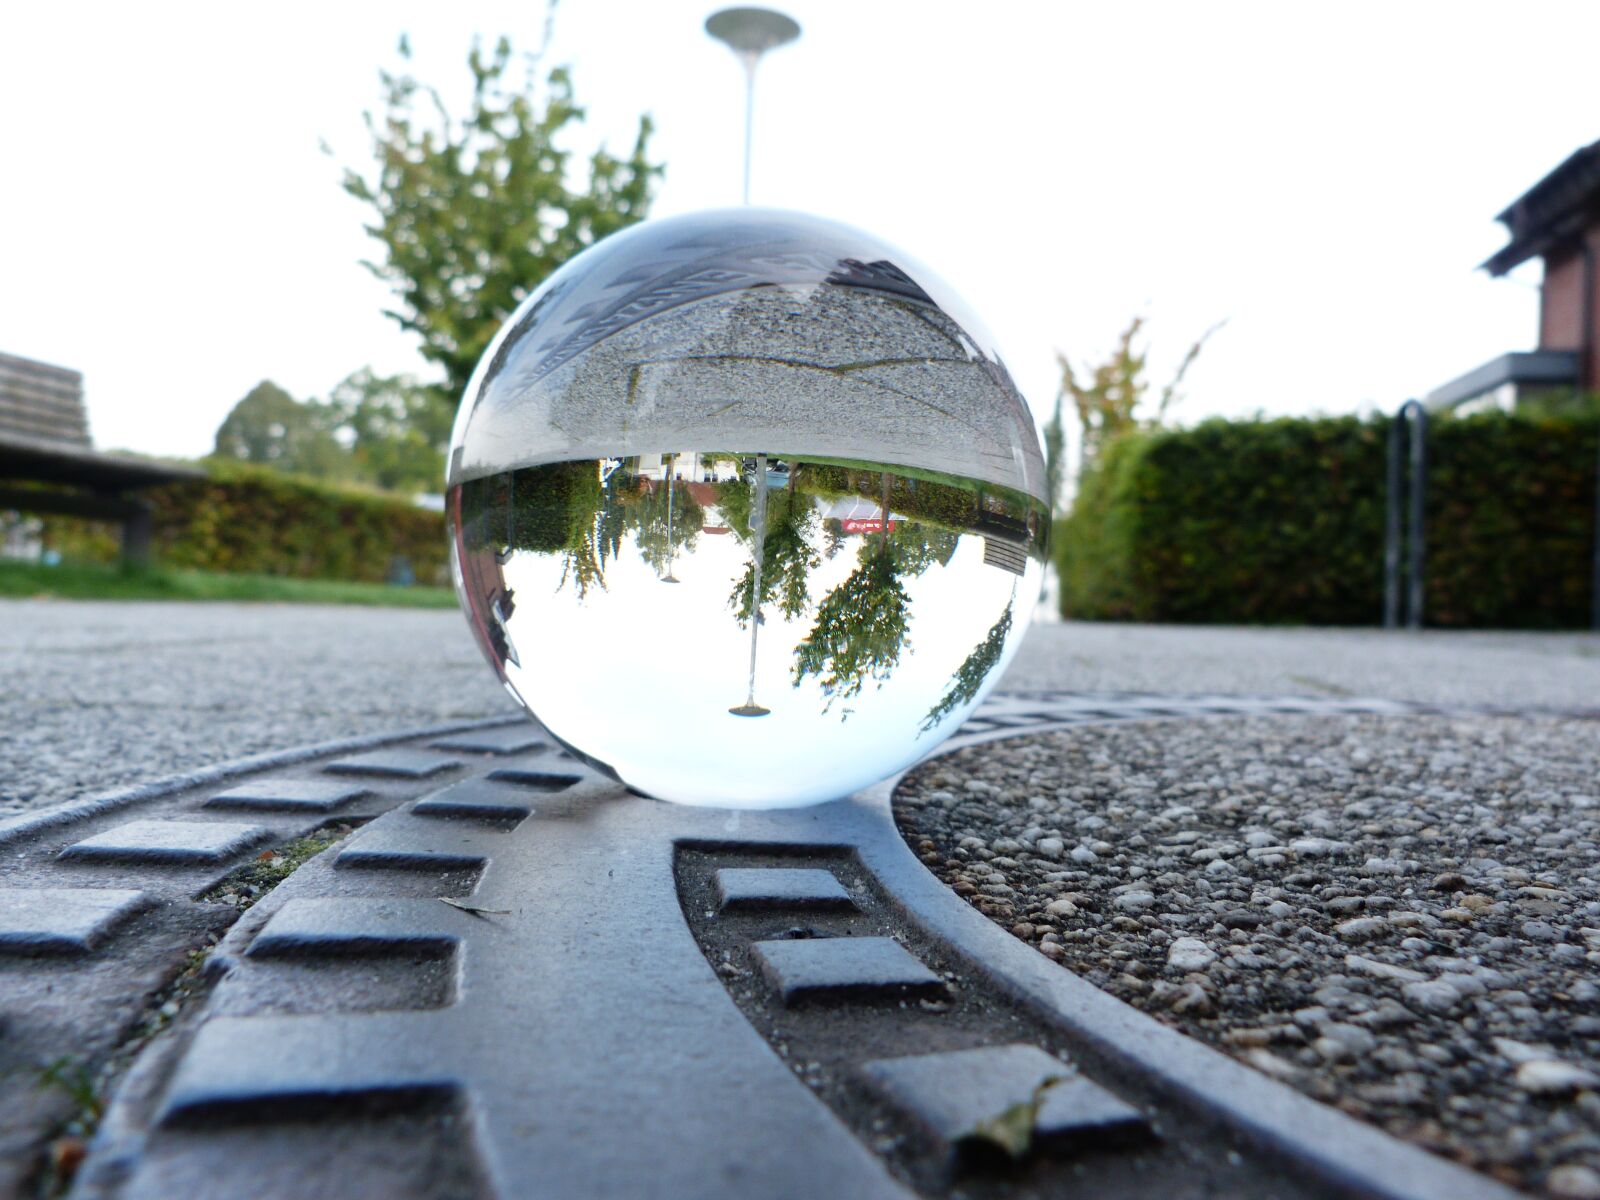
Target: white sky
1324, 176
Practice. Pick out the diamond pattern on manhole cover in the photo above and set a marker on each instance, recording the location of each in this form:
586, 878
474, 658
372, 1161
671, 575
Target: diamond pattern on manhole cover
509, 739
288, 795
951, 1094
53, 920
855, 968
175, 843
397, 764
751, 888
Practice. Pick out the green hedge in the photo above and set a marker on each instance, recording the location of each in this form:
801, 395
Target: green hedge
244, 519
1282, 522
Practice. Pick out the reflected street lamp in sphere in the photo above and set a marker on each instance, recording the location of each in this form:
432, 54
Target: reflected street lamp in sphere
750, 33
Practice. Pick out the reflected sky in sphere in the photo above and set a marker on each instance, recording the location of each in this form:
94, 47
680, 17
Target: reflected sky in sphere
745, 509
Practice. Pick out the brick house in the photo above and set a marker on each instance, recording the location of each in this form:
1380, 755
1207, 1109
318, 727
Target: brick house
1556, 220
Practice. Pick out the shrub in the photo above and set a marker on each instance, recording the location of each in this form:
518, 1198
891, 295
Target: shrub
1282, 521
253, 520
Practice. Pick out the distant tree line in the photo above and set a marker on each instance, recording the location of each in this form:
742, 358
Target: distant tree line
385, 432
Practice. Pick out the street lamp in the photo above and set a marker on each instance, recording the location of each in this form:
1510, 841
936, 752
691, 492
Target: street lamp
671, 461
758, 536
750, 33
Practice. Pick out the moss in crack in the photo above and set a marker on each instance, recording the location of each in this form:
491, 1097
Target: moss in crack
255, 879
69, 1141
89, 1083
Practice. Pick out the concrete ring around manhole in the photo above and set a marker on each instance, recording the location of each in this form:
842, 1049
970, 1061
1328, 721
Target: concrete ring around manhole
501, 974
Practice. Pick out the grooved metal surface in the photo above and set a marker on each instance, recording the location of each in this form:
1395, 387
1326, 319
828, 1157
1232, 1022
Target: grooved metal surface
544, 996
288, 795
951, 1095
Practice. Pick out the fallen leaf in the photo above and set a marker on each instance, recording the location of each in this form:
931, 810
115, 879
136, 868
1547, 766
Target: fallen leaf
474, 909
265, 855
67, 1155
1011, 1131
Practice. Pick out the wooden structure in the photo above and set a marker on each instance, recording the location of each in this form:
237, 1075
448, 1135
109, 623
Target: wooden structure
1557, 220
44, 444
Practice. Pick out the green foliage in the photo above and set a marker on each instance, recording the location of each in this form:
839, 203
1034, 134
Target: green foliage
1282, 521
554, 507
787, 558
1111, 397
973, 671
270, 428
103, 582
860, 630
565, 509
387, 432
956, 504
474, 213
248, 520
1511, 507
916, 547
72, 1076
1055, 454
396, 431
668, 522
1558, 402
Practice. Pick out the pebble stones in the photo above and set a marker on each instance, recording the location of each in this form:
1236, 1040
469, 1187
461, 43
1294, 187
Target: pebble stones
1190, 954
1397, 915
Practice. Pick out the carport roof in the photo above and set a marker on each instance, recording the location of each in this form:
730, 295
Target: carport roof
1562, 204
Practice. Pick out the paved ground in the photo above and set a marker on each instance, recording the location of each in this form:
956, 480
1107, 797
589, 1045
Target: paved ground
1561, 670
97, 696
100, 695
1394, 914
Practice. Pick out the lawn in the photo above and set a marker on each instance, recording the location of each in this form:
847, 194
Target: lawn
158, 583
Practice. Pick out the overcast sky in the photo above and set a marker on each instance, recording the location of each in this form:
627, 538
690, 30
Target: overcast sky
1322, 176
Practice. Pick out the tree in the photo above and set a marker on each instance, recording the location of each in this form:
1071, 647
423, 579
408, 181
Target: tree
1109, 398
271, 428
1055, 449
861, 625
393, 430
860, 630
474, 213
787, 556
974, 669
659, 538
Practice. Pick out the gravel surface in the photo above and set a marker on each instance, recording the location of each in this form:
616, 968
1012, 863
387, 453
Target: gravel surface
102, 695
1397, 915
1560, 670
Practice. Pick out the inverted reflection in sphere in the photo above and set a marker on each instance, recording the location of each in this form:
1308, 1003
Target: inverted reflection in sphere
745, 509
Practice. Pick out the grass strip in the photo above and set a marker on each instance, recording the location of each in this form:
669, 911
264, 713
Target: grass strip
94, 582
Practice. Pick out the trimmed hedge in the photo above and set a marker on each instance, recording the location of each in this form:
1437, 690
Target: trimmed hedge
250, 520
1282, 522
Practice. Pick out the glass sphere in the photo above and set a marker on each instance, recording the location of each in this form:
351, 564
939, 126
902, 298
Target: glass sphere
745, 509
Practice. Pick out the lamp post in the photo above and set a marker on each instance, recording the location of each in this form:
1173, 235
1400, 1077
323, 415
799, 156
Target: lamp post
671, 461
750, 33
758, 535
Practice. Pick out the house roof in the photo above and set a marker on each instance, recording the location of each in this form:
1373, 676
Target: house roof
1560, 205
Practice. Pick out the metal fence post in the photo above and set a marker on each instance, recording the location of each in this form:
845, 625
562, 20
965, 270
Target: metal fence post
1391, 528
1417, 534
1410, 421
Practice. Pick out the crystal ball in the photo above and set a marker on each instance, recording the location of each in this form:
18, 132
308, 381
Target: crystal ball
745, 509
